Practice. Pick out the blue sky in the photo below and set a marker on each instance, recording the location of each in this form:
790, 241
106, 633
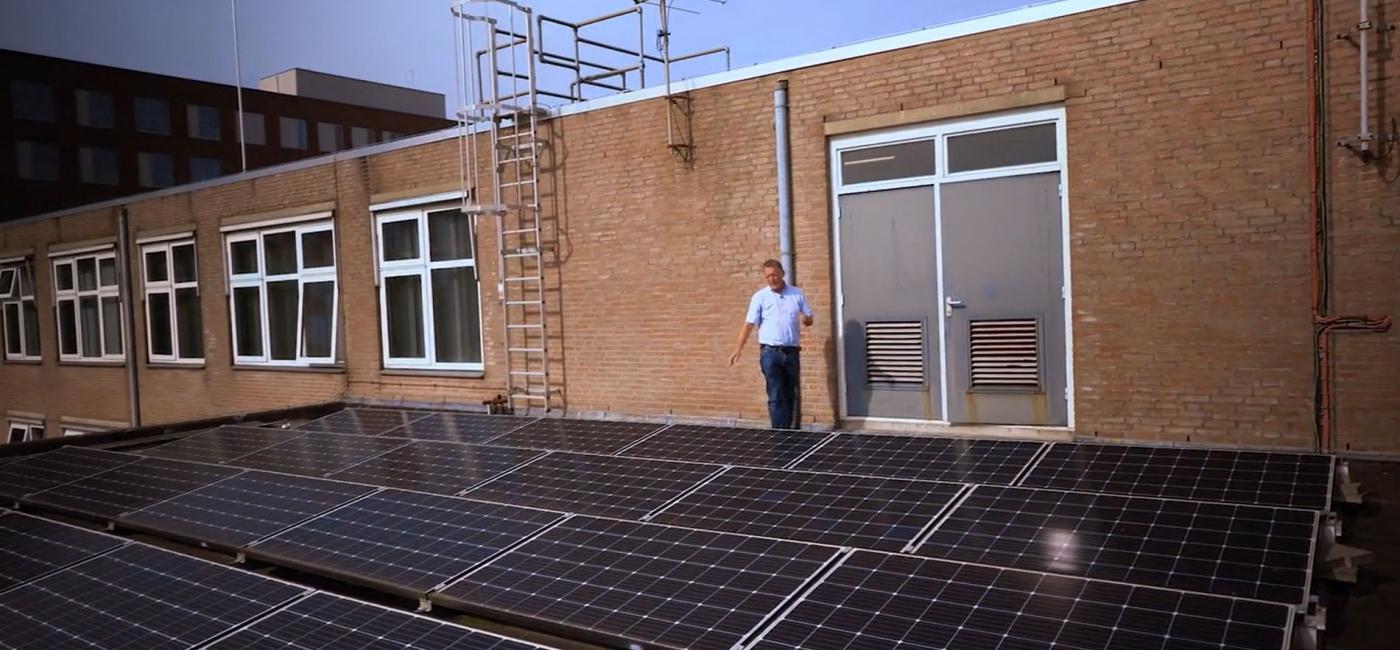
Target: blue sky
409, 42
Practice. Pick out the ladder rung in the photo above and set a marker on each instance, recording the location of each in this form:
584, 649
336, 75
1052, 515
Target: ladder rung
518, 183
527, 373
522, 253
531, 278
529, 159
520, 231
529, 396
526, 326
524, 302
526, 350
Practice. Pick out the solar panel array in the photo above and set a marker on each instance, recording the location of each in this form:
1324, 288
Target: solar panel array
318, 454
31, 547
52, 469
930, 459
221, 445
441, 467
611, 486
128, 487
590, 436
459, 427
363, 421
728, 446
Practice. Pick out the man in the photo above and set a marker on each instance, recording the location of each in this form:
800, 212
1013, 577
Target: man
775, 310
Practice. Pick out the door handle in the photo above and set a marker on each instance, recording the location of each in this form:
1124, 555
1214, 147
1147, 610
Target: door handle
950, 303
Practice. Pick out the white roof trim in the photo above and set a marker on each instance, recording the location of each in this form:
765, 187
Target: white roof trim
277, 221
440, 197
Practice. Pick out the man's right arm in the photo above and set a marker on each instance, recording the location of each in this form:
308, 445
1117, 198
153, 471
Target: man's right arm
751, 318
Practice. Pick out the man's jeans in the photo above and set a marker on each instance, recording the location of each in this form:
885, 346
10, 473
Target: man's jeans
781, 373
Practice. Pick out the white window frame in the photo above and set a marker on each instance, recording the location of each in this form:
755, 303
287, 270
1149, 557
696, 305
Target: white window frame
302, 276
69, 430
422, 266
15, 267
76, 295
27, 425
169, 286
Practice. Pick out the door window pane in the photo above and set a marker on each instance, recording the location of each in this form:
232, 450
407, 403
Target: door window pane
90, 317
1025, 145
64, 278
403, 296
95, 109
152, 115
243, 256
247, 318
36, 161
203, 122
282, 320
107, 272
155, 169
903, 160
455, 315
112, 325
280, 253
188, 320
31, 328
317, 249
12, 329
67, 327
400, 240
184, 262
158, 320
449, 235
87, 274
156, 270
318, 312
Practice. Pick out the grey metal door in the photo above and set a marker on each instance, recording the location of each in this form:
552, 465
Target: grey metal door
889, 284
1003, 305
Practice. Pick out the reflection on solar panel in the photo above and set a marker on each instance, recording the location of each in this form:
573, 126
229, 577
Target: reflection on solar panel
657, 585
241, 510
442, 467
878, 513
128, 487
610, 486
318, 454
1246, 551
1262, 478
363, 421
324, 621
932, 459
31, 547
221, 445
591, 436
136, 597
459, 427
758, 447
402, 542
55, 468
879, 600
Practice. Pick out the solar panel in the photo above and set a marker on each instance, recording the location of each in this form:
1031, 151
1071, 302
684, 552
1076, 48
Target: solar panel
932, 459
241, 510
732, 446
363, 421
609, 486
62, 465
318, 454
637, 583
324, 621
137, 596
221, 445
1233, 550
591, 436
867, 512
442, 467
31, 547
880, 600
1262, 478
401, 542
129, 487
459, 427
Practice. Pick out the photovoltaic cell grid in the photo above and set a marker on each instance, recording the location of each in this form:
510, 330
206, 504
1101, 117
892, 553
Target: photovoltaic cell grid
1232, 550
661, 586
459, 427
403, 542
221, 445
242, 509
610, 486
441, 467
323, 621
866, 512
1261, 478
318, 454
136, 597
62, 465
363, 421
31, 547
957, 460
128, 487
590, 436
727, 446
883, 600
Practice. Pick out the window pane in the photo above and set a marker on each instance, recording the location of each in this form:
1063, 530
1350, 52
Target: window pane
67, 328
97, 165
254, 128
31, 100
403, 296
26, 281
400, 240
243, 256
36, 432
187, 321
293, 132
888, 162
158, 322
203, 122
107, 271
17, 433
112, 325
12, 329
449, 235
87, 274
359, 136
317, 249
280, 253
156, 270
65, 276
282, 320
155, 169
184, 262
318, 313
152, 116
247, 318
95, 109
31, 328
1005, 148
36, 161
203, 169
455, 318
8, 283
90, 324
328, 137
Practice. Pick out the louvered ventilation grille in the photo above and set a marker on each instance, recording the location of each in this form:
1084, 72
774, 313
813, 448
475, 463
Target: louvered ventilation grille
1005, 354
894, 352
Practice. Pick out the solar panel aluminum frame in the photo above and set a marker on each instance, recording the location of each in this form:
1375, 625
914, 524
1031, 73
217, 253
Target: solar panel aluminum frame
641, 440
782, 612
815, 448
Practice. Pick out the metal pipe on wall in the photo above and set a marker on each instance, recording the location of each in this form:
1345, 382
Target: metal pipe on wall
782, 143
128, 314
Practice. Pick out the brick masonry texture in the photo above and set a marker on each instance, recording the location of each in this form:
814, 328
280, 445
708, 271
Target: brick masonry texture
1188, 196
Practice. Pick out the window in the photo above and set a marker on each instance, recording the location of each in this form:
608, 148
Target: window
360, 136
329, 137
283, 295
18, 312
88, 306
203, 169
97, 165
203, 122
1025, 145
30, 100
156, 169
174, 333
152, 116
36, 161
95, 109
20, 430
430, 310
390, 135
254, 128
293, 133
888, 162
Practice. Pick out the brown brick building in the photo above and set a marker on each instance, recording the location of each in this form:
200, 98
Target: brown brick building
1159, 149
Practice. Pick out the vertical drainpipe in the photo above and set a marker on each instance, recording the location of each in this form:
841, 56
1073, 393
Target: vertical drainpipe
780, 125
128, 316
